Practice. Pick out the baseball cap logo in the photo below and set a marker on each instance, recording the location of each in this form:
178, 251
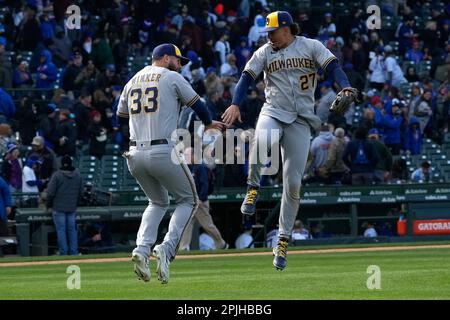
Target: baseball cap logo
177, 51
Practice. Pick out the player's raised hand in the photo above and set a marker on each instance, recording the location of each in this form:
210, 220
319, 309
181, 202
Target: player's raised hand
231, 114
216, 125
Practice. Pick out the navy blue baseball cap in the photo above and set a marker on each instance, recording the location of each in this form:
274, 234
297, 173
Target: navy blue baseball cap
171, 50
276, 20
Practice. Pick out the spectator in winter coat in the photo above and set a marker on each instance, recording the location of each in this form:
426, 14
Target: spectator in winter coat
319, 152
47, 159
97, 134
392, 122
67, 134
413, 137
361, 157
5, 207
394, 74
384, 164
22, 77
7, 107
30, 183
64, 190
414, 54
46, 72
71, 73
12, 169
422, 109
335, 166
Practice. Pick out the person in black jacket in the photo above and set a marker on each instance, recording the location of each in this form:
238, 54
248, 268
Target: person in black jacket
67, 133
97, 135
64, 191
361, 157
82, 110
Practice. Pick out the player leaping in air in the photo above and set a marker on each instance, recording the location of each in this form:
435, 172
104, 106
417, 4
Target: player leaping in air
290, 64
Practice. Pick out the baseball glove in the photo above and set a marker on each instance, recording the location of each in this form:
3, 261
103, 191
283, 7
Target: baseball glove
344, 100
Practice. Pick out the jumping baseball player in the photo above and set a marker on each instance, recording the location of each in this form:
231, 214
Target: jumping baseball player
290, 64
152, 100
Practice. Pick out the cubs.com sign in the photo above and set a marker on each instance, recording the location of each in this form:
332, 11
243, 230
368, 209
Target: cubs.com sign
439, 226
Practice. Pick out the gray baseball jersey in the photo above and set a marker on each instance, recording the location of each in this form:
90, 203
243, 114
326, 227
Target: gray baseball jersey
290, 75
152, 99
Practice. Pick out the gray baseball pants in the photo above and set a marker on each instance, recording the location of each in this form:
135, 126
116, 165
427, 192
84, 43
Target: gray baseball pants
294, 140
158, 170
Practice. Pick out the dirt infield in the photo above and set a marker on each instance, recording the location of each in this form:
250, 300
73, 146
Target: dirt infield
215, 255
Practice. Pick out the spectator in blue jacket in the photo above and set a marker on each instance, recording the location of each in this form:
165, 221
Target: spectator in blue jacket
392, 122
46, 72
5, 207
361, 157
413, 137
7, 107
414, 54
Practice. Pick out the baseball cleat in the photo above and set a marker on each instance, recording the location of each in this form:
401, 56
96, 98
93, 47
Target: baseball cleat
249, 205
141, 266
280, 254
162, 264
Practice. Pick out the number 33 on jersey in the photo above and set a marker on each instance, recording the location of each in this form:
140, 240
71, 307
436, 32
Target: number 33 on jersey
152, 100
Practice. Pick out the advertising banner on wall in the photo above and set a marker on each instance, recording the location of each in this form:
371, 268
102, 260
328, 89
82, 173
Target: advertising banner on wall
431, 227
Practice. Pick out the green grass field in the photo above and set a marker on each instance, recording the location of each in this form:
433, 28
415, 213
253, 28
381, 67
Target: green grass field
412, 274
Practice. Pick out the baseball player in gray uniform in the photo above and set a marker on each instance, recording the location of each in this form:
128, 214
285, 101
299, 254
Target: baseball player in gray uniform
152, 100
290, 64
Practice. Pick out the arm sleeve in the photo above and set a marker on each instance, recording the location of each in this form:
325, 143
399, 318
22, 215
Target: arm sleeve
335, 70
241, 88
122, 108
322, 55
200, 109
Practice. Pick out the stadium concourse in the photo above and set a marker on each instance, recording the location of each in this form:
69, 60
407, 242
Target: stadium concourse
62, 85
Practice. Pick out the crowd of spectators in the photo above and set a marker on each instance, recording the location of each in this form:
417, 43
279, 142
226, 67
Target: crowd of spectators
59, 86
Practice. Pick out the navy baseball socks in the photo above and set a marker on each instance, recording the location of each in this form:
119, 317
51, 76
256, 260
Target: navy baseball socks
249, 205
280, 254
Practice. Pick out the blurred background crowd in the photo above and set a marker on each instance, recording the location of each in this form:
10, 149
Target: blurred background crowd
59, 87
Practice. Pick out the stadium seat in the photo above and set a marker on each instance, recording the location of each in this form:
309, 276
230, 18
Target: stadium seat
112, 149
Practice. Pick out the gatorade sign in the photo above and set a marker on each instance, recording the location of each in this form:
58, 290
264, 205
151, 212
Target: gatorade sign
427, 227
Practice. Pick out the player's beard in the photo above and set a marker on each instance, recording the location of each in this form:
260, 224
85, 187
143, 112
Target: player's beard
173, 67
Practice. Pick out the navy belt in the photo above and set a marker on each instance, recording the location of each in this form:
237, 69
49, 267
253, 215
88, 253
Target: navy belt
152, 143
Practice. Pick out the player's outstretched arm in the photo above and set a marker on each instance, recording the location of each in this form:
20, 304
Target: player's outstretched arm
232, 113
347, 95
204, 115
